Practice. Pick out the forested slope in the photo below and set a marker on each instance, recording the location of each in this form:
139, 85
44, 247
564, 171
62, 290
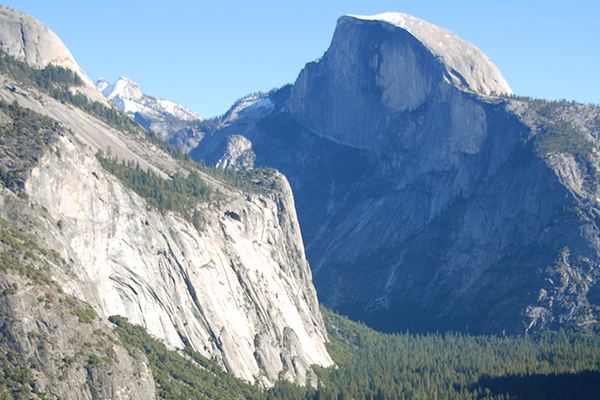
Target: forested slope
373, 365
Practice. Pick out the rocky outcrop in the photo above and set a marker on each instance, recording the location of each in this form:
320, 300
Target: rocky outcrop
67, 358
230, 145
236, 153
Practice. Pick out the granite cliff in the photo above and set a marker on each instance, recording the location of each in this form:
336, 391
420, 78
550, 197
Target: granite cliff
429, 197
232, 283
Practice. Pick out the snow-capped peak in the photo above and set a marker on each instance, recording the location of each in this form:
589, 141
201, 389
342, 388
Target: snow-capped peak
127, 96
123, 88
102, 84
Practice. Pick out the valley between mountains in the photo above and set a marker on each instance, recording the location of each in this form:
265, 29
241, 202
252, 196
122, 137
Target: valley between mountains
148, 252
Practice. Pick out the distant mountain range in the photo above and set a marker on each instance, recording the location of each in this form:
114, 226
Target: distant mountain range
127, 96
170, 121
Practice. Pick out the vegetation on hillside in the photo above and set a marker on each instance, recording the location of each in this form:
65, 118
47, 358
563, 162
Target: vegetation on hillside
58, 83
559, 129
455, 366
255, 180
180, 193
185, 375
562, 137
15, 379
373, 365
537, 102
558, 135
21, 256
24, 136
206, 125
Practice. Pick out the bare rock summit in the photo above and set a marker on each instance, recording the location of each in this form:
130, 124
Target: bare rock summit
28, 40
377, 67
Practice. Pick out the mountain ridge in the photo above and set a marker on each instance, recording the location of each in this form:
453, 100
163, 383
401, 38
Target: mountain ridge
171, 121
28, 40
128, 97
430, 212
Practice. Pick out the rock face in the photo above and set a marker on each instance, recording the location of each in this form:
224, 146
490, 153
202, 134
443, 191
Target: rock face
169, 120
52, 340
69, 359
27, 39
237, 288
237, 153
464, 65
379, 66
427, 203
231, 147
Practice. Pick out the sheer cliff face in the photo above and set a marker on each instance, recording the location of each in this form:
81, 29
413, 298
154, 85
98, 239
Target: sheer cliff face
456, 221
238, 289
426, 202
379, 66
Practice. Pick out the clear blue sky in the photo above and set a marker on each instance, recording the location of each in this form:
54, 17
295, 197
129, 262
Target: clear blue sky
206, 54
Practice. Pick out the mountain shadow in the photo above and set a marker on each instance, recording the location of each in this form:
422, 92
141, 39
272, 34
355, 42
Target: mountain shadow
583, 385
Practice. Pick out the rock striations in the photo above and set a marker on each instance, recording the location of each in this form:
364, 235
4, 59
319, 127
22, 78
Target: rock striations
238, 290
428, 201
235, 286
